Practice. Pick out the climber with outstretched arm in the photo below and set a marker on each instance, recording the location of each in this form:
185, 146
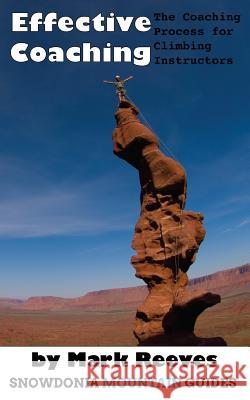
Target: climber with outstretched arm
119, 85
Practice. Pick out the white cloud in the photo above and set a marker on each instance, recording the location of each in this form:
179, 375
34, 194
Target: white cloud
244, 222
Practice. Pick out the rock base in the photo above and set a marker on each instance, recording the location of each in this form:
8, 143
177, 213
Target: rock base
179, 323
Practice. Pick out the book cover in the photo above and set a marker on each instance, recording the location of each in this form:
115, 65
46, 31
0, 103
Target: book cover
124, 208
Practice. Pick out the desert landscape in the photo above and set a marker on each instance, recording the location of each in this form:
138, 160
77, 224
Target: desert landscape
106, 317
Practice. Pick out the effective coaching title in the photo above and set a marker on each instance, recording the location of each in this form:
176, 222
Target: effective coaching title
86, 52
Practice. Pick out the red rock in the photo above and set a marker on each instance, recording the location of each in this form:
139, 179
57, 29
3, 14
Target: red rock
166, 237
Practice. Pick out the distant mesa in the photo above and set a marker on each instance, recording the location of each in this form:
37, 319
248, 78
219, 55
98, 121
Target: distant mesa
10, 303
231, 280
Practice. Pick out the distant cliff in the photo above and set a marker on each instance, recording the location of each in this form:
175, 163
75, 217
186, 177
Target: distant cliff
229, 281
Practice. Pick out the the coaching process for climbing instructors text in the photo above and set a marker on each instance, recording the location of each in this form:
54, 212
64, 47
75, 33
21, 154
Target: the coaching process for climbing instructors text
193, 38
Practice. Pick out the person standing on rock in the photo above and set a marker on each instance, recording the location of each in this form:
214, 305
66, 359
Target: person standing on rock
120, 87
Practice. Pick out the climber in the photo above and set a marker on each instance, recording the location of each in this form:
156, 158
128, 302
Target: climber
119, 85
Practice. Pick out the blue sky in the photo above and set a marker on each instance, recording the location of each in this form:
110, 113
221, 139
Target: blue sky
68, 206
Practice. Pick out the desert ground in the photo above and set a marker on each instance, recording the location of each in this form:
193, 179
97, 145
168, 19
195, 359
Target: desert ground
31, 324
230, 319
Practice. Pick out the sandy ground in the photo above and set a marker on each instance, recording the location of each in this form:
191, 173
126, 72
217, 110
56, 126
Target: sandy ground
230, 319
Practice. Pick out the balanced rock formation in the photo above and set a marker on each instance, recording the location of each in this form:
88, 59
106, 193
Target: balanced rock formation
166, 238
